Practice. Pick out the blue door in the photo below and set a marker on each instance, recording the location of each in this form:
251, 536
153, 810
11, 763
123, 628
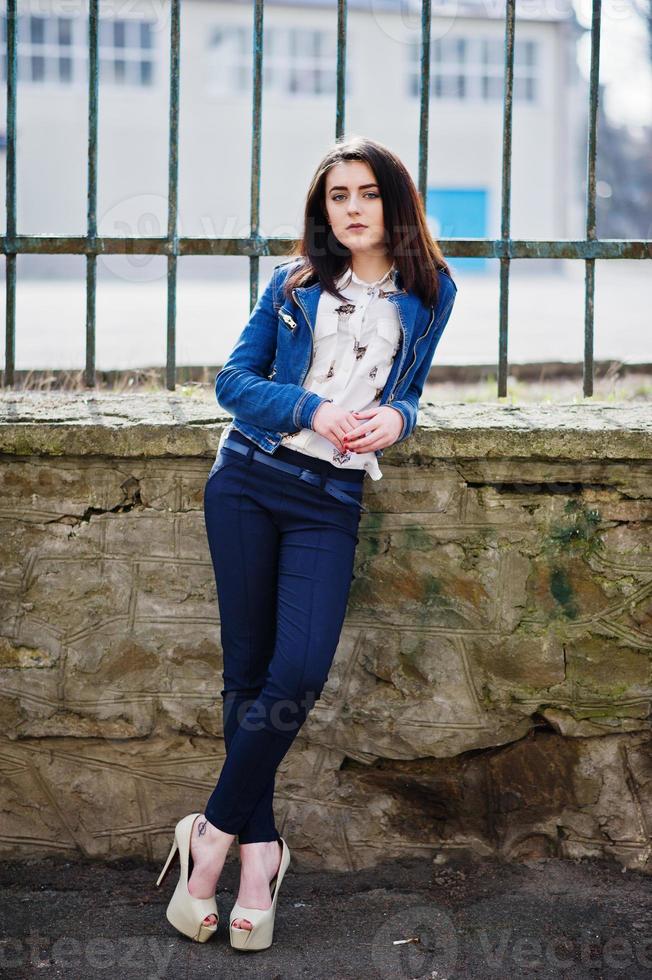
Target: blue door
459, 212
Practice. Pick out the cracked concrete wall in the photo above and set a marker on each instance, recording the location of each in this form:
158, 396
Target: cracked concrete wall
491, 689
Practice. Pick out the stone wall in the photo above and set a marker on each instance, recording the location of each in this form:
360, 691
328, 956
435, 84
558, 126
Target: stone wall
492, 686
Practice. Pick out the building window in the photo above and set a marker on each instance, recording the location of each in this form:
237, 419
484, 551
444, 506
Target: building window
297, 61
126, 51
473, 68
54, 50
229, 50
46, 49
492, 60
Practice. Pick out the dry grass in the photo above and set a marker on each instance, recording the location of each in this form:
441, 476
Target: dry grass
615, 384
631, 388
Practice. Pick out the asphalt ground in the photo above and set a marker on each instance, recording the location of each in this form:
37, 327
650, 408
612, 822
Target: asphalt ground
467, 918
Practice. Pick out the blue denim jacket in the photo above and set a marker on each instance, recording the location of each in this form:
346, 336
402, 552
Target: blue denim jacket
261, 382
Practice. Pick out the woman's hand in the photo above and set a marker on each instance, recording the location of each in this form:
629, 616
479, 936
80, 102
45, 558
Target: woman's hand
334, 422
379, 428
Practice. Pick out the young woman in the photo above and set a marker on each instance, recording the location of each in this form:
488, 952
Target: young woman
326, 374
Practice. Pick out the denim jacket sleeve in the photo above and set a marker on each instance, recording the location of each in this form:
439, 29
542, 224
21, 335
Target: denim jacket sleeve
408, 406
242, 386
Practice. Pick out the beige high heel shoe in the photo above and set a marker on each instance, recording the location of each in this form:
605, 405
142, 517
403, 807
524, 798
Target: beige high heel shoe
261, 934
185, 912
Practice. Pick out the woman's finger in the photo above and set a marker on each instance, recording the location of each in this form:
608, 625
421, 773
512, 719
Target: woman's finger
359, 428
370, 441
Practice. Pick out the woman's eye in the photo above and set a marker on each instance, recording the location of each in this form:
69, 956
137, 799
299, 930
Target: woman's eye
338, 196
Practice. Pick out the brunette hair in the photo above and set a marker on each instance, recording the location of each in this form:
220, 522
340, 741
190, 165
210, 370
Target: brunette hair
414, 250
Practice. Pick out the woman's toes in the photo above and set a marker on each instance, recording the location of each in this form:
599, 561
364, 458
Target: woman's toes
210, 920
242, 923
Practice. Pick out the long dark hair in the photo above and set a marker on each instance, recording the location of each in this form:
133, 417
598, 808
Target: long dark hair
409, 241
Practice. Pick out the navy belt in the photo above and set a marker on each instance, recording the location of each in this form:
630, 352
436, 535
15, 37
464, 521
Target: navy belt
330, 485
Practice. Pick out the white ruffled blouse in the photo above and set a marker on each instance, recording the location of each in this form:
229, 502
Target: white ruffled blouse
355, 344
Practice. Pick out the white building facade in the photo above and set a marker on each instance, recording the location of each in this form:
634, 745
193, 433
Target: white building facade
298, 114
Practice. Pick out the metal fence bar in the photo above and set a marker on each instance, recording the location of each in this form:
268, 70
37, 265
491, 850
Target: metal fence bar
256, 123
424, 107
91, 245
589, 268
505, 197
340, 97
173, 199
10, 271
91, 207
491, 248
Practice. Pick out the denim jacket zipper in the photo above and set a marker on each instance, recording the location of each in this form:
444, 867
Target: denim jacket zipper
414, 352
312, 337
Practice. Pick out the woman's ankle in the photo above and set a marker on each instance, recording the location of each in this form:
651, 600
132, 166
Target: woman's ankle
246, 843
259, 858
208, 831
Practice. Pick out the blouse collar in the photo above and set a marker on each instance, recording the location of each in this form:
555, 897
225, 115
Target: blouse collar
349, 276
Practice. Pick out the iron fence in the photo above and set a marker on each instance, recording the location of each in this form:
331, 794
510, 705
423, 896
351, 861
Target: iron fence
255, 245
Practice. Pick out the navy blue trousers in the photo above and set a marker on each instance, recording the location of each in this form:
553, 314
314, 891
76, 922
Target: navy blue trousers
282, 552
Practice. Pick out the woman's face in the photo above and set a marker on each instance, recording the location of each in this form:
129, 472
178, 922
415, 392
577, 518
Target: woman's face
353, 198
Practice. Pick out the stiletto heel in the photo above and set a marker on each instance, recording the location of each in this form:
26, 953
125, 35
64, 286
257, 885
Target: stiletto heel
261, 934
185, 912
173, 851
